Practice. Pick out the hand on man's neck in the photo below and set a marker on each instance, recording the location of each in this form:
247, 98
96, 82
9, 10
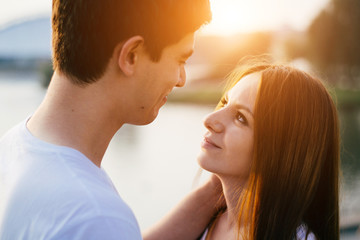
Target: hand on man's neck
80, 117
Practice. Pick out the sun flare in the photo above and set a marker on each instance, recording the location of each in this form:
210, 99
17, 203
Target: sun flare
228, 17
234, 16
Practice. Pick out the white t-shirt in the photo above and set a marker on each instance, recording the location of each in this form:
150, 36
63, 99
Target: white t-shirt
55, 192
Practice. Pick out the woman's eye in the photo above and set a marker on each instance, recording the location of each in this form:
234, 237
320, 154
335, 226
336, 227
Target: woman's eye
241, 118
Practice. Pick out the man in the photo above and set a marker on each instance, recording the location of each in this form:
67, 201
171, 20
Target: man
115, 62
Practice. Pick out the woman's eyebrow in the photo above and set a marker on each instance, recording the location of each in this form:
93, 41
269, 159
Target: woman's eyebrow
241, 106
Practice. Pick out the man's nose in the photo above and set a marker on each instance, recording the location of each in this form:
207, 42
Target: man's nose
182, 78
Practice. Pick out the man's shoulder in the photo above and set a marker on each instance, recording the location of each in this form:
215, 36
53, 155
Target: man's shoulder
100, 227
12, 134
89, 212
64, 203
67, 214
99, 199
73, 183
65, 192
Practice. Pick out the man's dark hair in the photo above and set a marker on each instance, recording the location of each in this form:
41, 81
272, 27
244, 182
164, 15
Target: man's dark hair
85, 32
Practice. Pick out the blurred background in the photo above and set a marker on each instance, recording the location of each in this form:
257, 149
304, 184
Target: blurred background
153, 166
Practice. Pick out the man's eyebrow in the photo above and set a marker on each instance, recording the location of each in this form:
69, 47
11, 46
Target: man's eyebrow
187, 54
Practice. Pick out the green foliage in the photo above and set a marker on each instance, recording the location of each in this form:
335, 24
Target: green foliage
346, 97
334, 41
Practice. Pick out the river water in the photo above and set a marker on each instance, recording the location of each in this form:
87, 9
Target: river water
154, 166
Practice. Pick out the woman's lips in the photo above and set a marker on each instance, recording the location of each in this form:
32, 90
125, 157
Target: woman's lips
208, 143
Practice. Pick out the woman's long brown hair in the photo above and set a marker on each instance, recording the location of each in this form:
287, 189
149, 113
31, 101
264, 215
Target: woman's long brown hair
294, 177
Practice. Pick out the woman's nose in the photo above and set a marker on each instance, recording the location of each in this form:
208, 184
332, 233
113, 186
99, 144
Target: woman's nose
213, 122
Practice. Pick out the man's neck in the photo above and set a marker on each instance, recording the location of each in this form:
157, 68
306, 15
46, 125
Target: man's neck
75, 116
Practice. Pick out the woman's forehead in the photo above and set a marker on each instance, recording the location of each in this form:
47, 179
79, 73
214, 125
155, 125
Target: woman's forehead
247, 85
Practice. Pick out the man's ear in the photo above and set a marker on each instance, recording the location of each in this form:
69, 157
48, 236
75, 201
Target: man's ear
128, 54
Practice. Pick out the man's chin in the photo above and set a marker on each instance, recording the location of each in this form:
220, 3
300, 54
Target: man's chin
146, 121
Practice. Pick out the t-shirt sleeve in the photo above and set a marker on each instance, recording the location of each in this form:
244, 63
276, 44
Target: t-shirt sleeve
107, 228
301, 233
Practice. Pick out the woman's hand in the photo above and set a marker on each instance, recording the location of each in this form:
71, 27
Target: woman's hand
192, 215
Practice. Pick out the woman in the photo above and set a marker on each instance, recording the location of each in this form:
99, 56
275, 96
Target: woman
274, 144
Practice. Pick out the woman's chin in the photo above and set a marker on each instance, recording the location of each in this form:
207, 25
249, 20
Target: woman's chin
204, 163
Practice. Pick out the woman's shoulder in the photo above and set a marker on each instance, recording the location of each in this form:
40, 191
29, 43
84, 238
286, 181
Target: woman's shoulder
301, 233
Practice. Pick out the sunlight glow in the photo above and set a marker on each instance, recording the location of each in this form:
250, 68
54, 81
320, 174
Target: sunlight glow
227, 17
233, 16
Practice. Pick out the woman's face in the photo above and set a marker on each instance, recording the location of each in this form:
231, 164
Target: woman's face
227, 147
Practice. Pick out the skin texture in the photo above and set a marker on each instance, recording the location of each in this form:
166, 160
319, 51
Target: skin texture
228, 143
154, 81
227, 148
132, 91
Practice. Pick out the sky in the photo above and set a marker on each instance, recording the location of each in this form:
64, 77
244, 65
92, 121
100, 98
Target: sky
15, 10
229, 16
